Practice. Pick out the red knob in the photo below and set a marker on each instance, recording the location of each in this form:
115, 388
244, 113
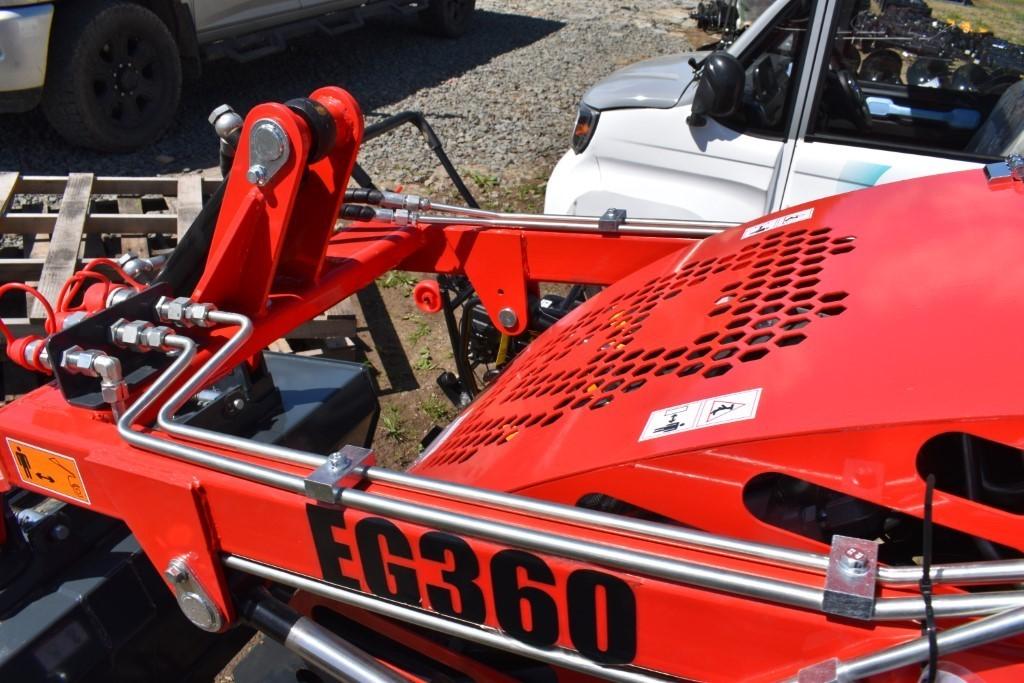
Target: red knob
427, 295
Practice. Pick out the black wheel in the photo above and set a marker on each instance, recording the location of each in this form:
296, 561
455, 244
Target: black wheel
114, 76
448, 18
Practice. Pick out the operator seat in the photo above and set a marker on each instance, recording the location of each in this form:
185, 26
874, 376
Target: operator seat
1002, 133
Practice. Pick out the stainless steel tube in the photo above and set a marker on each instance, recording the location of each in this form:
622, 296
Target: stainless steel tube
1007, 571
245, 470
459, 629
206, 373
569, 226
992, 571
341, 659
311, 641
651, 530
678, 571
585, 220
980, 632
689, 573
963, 604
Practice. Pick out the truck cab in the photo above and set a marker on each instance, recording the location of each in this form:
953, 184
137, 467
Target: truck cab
828, 97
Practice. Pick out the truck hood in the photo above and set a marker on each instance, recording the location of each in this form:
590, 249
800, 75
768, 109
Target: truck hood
654, 84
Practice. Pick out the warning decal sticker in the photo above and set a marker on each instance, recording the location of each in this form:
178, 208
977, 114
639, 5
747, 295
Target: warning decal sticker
707, 412
48, 470
777, 222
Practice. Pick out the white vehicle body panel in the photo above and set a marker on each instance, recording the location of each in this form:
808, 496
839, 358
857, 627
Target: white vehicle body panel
652, 164
821, 169
24, 36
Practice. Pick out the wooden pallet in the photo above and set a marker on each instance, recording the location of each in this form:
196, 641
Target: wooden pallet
53, 224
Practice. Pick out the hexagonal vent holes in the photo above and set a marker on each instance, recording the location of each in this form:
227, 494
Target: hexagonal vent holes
769, 307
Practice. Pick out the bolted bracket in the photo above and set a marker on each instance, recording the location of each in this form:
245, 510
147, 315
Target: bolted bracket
268, 151
192, 598
326, 482
1006, 171
611, 220
851, 577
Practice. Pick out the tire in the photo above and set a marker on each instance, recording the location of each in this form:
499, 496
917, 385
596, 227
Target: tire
448, 18
113, 82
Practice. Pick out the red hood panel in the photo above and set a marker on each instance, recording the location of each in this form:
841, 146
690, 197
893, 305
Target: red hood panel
889, 305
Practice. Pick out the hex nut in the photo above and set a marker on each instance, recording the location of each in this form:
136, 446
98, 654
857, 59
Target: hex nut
131, 333
114, 393
69, 355
198, 314
79, 361
153, 337
172, 310
83, 361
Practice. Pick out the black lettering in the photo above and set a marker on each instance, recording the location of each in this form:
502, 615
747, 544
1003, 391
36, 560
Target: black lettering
329, 551
369, 533
619, 621
439, 547
509, 597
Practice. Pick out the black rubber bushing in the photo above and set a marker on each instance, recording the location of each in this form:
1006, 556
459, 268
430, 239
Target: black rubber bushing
321, 125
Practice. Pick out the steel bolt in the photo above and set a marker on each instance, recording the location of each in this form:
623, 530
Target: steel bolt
1016, 164
854, 561
508, 318
60, 532
198, 610
337, 461
177, 572
257, 175
267, 141
238, 403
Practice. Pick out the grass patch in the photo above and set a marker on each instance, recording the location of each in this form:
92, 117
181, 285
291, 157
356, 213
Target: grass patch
418, 334
1004, 18
437, 409
392, 424
398, 279
483, 180
424, 361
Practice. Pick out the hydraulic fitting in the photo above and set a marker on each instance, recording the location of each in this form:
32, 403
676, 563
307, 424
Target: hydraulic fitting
119, 294
399, 217
184, 312
93, 363
409, 202
139, 335
79, 361
141, 269
30, 352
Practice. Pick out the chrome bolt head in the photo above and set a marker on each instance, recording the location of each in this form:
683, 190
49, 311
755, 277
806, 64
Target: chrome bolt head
1016, 164
508, 318
257, 175
267, 141
854, 561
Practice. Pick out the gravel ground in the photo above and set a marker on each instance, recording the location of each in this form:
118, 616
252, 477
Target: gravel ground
502, 97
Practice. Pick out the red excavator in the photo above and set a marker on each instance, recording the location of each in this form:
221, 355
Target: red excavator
789, 450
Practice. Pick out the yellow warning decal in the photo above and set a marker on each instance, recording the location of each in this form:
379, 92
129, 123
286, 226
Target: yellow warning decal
48, 470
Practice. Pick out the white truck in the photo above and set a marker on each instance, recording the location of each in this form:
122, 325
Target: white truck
108, 73
814, 98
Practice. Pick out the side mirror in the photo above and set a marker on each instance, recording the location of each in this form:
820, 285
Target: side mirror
719, 90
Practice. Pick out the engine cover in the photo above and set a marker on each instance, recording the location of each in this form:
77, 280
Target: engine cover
827, 344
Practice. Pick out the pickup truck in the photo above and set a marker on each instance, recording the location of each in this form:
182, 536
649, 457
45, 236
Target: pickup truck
813, 98
108, 73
